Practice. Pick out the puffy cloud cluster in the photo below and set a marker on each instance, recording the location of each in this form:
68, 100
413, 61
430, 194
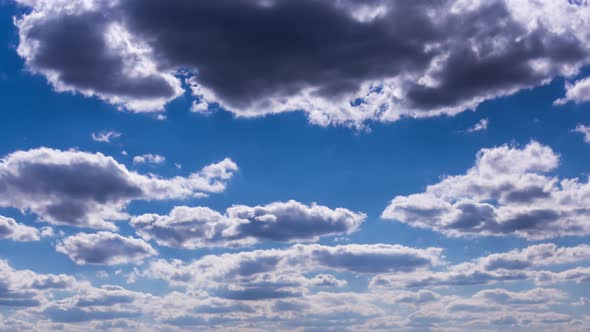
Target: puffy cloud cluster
351, 62
278, 273
10, 229
84, 189
196, 227
507, 192
515, 265
25, 288
105, 248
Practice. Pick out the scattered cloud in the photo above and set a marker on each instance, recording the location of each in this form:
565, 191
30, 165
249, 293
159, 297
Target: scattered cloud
105, 136
154, 159
198, 227
506, 192
482, 125
10, 229
584, 130
105, 248
84, 189
577, 92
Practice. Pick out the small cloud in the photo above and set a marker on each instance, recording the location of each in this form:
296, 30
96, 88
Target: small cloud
480, 126
584, 130
105, 136
154, 159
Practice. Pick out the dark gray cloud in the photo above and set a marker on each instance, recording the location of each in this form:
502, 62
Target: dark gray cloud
196, 227
105, 248
84, 189
340, 61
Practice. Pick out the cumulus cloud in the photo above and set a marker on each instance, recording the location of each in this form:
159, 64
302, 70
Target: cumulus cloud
149, 159
105, 248
577, 92
105, 136
84, 189
507, 192
25, 288
353, 61
509, 266
10, 229
196, 227
278, 273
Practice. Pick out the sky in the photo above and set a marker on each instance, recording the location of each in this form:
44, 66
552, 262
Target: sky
312, 165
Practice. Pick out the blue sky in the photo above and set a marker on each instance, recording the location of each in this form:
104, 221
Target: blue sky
417, 268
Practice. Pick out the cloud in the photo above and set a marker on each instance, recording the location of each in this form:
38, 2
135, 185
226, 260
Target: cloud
84, 189
278, 273
354, 61
577, 92
25, 288
104, 303
197, 227
105, 136
10, 229
149, 159
505, 193
584, 130
482, 125
105, 248
515, 265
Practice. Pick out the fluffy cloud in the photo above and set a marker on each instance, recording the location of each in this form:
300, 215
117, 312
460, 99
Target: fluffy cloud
353, 61
501, 267
577, 92
149, 159
10, 229
90, 189
196, 227
25, 288
105, 248
279, 273
505, 193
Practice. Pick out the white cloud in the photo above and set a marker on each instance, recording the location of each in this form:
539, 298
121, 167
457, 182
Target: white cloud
482, 125
515, 265
584, 130
505, 193
149, 159
577, 92
84, 189
105, 136
197, 227
10, 229
105, 248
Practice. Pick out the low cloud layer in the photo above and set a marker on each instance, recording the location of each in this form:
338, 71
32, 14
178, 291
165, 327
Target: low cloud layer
82, 189
507, 192
352, 61
516, 265
197, 227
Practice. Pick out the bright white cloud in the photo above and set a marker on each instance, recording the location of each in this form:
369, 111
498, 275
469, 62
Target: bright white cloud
505, 193
10, 229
